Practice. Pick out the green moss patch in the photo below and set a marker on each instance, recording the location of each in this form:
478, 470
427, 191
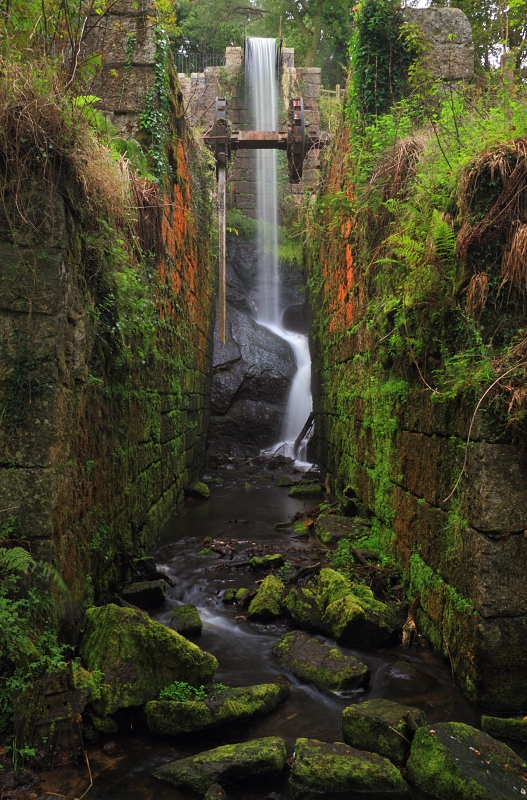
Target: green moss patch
186, 620
453, 761
382, 727
337, 767
509, 727
267, 604
318, 663
222, 707
138, 657
305, 608
307, 490
227, 764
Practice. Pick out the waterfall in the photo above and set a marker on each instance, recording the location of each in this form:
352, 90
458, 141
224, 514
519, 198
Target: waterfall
260, 65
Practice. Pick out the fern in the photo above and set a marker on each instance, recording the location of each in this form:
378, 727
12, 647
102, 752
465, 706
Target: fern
16, 559
409, 251
443, 238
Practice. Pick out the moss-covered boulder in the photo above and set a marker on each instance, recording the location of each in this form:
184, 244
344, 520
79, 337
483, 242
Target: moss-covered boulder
352, 621
224, 706
305, 608
186, 620
332, 586
262, 563
331, 529
306, 491
267, 603
382, 727
138, 657
337, 767
285, 480
227, 764
453, 761
201, 489
509, 727
406, 679
318, 663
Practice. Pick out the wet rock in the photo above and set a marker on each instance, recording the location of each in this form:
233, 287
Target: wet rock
229, 596
262, 563
227, 764
453, 761
138, 657
307, 490
267, 602
145, 594
250, 386
331, 529
406, 679
379, 727
318, 663
510, 727
215, 792
224, 706
296, 318
285, 481
186, 620
337, 767
201, 489
305, 608
352, 615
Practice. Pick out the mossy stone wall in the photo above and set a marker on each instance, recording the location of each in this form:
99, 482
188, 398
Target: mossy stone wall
381, 432
101, 434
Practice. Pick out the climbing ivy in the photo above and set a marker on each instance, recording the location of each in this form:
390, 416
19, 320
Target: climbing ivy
154, 117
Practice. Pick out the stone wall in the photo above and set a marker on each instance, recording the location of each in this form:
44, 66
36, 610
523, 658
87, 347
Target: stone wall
101, 433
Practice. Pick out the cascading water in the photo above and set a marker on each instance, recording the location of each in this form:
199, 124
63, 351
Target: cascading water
260, 68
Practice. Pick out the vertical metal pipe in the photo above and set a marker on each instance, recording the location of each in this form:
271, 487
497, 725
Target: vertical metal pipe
222, 288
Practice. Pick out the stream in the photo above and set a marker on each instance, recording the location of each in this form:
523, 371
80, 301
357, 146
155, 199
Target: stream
121, 764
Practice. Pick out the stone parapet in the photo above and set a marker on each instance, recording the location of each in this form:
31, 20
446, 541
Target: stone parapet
451, 49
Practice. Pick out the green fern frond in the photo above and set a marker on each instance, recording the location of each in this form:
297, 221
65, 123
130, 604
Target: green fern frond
443, 237
16, 559
409, 251
47, 570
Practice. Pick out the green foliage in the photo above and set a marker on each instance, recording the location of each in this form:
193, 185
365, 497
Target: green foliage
240, 224
154, 117
181, 692
380, 58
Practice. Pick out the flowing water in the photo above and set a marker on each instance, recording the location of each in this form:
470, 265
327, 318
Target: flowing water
263, 89
246, 518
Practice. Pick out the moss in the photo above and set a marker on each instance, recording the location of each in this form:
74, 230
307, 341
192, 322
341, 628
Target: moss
338, 767
201, 489
331, 529
318, 663
205, 551
240, 594
229, 596
453, 761
186, 620
138, 657
332, 586
305, 608
267, 602
223, 707
382, 727
509, 727
104, 724
353, 621
227, 764
309, 490
285, 481
261, 563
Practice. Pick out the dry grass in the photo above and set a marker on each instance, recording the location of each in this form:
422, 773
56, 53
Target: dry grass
477, 291
398, 166
514, 265
46, 143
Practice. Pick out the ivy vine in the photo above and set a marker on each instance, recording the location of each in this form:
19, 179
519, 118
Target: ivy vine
154, 118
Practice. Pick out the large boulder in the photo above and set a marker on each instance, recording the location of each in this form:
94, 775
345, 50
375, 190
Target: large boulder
145, 594
226, 764
138, 657
318, 663
352, 614
252, 374
337, 767
267, 603
222, 707
453, 761
382, 727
